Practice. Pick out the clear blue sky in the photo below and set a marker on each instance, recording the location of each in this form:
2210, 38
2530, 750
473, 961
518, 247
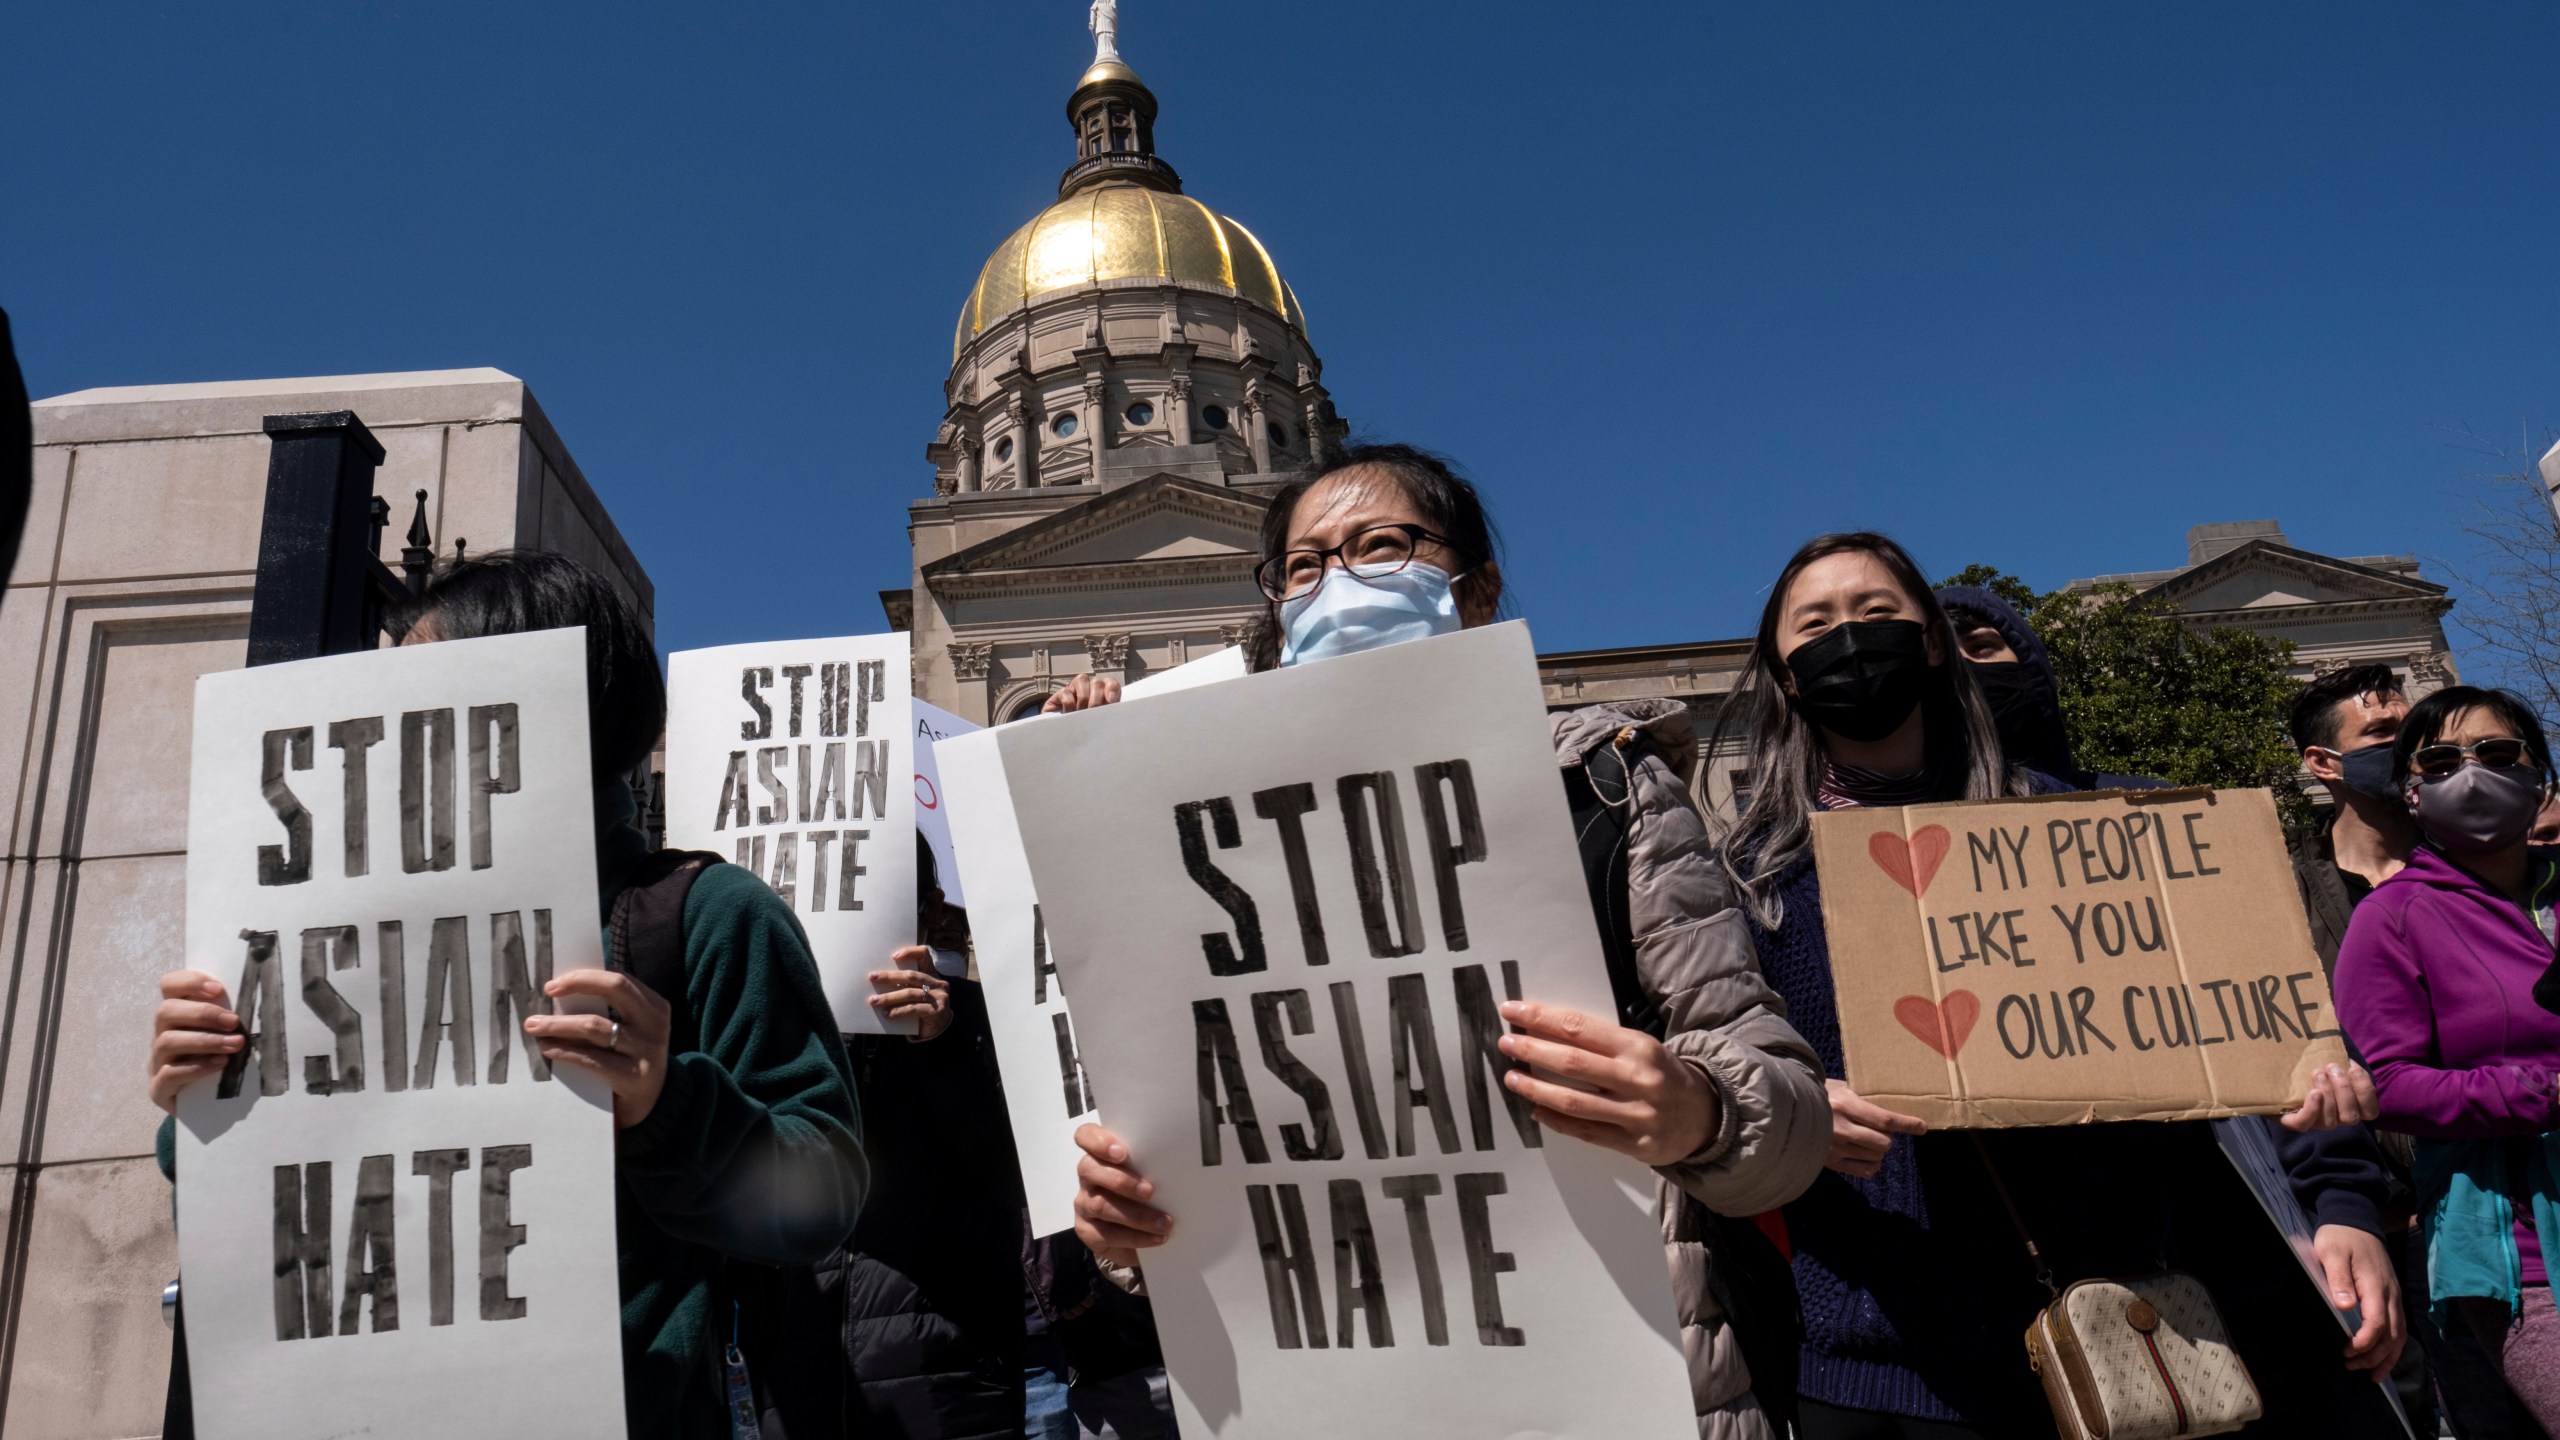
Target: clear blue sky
2035, 284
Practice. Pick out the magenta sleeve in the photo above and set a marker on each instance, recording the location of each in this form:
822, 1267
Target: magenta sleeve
2389, 1011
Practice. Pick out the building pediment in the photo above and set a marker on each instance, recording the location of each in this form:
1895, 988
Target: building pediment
1156, 528
2266, 575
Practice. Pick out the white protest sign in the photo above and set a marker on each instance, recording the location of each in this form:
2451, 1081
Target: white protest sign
1298, 1046
933, 821
1046, 1092
396, 1219
2245, 1144
1226, 664
784, 756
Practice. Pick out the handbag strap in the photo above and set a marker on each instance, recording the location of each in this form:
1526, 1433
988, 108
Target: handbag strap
2044, 1272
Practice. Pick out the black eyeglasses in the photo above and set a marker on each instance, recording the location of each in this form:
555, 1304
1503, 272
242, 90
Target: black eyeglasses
2500, 752
1380, 550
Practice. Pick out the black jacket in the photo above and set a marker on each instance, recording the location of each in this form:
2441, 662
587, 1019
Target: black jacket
931, 1284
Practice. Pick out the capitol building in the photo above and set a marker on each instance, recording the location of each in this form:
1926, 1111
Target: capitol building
1131, 378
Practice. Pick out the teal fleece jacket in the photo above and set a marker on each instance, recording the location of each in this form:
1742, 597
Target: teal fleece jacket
754, 1148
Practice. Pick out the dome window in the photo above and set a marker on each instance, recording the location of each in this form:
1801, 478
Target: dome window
1279, 436
1214, 416
1004, 448
1065, 424
1142, 413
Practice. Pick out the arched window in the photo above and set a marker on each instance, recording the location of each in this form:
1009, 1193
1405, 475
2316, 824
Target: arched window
1029, 707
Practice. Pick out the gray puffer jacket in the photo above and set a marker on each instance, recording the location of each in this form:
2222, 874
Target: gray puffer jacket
1696, 965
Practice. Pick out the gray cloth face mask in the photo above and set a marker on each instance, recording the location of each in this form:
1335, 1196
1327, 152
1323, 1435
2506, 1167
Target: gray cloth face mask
2478, 809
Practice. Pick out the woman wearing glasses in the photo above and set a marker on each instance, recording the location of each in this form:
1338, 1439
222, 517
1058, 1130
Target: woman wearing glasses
1703, 1079
2446, 983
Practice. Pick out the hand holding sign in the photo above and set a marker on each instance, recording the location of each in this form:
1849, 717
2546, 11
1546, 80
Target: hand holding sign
1861, 1130
193, 1034
912, 992
1113, 1217
626, 1047
1628, 1093
1082, 693
2339, 1095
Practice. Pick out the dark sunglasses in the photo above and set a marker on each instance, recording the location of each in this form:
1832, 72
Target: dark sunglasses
2498, 753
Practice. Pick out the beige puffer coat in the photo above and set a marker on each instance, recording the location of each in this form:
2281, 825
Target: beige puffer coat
1696, 963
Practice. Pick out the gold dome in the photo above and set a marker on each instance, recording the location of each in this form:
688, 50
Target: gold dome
1123, 232
1109, 70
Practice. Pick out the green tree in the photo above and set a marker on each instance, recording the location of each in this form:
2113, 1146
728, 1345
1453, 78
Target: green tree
2143, 693
1999, 582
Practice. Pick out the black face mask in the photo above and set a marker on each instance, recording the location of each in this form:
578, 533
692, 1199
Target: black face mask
2367, 771
2016, 697
1861, 680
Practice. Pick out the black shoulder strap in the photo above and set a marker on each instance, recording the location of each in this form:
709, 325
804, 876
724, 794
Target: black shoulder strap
647, 927
2018, 1222
1595, 792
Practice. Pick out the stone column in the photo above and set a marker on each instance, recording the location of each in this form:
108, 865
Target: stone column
1097, 404
969, 664
1315, 437
1177, 403
1026, 443
967, 445
1108, 655
1257, 430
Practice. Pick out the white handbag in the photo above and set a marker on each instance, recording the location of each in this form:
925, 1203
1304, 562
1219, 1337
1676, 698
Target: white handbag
2146, 1358
2141, 1359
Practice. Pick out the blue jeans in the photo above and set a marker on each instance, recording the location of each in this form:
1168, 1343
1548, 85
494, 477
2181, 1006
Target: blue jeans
1046, 1412
1134, 1406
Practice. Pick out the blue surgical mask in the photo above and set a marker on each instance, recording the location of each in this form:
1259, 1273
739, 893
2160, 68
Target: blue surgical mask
1363, 607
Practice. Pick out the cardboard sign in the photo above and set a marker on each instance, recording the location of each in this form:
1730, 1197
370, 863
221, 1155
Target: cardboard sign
785, 757
395, 1218
1296, 900
2124, 955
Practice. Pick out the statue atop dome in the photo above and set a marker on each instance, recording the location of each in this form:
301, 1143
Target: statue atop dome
1104, 21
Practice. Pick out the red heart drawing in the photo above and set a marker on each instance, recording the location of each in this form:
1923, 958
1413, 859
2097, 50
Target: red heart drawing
1914, 865
1942, 1026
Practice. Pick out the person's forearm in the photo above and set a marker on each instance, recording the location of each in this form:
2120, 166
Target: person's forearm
780, 1183
2336, 1175
2486, 1102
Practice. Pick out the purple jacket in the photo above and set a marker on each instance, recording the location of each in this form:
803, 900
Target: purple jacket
2435, 987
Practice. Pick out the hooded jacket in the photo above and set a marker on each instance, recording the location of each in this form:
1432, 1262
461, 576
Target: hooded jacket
1703, 993
2435, 987
2037, 739
2435, 984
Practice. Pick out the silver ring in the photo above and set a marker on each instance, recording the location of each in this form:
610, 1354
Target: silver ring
613, 1042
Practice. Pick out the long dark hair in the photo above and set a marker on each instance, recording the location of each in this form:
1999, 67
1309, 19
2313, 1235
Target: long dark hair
2428, 718
508, 592
1785, 750
1448, 502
